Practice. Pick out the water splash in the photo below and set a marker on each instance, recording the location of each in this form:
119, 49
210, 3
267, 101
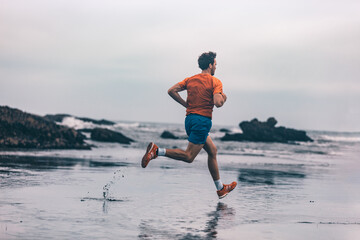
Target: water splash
118, 174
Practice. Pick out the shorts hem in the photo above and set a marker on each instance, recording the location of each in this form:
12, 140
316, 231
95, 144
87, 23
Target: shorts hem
197, 143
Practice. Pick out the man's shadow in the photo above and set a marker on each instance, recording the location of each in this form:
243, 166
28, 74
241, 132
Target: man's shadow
222, 212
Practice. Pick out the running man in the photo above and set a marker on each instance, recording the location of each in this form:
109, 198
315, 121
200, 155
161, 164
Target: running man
203, 92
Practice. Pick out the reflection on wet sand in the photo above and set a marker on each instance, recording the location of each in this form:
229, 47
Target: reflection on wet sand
222, 212
42, 163
25, 168
253, 176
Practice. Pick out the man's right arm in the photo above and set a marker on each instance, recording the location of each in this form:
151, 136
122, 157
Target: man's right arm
174, 93
219, 99
219, 96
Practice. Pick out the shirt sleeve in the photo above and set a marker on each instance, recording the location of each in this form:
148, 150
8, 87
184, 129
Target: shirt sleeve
218, 87
183, 83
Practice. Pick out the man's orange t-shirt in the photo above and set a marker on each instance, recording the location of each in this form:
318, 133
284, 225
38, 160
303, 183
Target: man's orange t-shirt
200, 90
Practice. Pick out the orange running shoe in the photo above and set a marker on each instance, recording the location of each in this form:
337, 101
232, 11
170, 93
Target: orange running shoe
226, 189
149, 155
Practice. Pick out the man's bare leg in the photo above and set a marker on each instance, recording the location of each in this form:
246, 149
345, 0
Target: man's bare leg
211, 150
188, 155
222, 189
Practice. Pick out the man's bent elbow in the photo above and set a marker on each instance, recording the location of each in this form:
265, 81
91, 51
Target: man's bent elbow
219, 104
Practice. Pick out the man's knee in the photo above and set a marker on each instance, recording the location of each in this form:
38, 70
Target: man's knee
212, 152
189, 158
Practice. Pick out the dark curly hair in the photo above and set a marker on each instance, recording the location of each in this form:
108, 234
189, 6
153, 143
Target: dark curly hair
205, 59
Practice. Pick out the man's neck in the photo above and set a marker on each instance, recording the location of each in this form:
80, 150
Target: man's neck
207, 71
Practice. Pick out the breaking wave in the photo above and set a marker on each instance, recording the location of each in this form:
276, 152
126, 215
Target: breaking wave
341, 138
76, 123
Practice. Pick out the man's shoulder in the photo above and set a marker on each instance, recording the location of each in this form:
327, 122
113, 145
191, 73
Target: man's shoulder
199, 75
213, 81
215, 78
216, 81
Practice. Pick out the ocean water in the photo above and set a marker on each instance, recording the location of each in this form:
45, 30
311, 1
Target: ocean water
285, 191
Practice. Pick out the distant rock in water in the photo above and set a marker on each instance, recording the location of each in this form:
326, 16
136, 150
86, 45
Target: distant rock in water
60, 117
224, 130
99, 122
85, 130
56, 117
168, 135
23, 130
106, 135
266, 132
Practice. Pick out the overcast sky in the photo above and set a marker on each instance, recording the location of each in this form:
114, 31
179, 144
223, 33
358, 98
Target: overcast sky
298, 61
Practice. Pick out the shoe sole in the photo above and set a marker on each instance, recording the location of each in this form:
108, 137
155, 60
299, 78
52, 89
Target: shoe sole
220, 197
144, 162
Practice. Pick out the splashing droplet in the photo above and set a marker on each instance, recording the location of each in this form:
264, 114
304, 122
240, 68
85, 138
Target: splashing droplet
107, 186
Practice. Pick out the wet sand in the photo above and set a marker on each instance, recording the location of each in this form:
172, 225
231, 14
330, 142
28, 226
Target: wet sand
60, 195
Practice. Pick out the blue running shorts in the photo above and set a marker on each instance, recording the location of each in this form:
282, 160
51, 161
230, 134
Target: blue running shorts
197, 128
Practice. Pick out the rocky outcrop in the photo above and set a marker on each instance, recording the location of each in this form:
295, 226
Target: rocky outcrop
60, 117
85, 130
99, 122
168, 135
266, 132
225, 130
23, 130
56, 117
106, 135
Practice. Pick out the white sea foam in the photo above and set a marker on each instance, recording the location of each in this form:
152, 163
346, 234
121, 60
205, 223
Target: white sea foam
127, 125
236, 130
340, 138
76, 123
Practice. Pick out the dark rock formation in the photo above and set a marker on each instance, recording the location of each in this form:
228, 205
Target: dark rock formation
106, 135
234, 137
85, 130
224, 130
56, 117
60, 117
266, 132
99, 122
23, 130
168, 135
